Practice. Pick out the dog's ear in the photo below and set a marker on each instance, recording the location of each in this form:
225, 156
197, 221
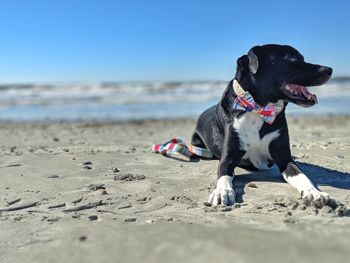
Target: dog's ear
253, 61
249, 62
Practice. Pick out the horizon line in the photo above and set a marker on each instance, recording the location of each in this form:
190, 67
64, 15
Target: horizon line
23, 83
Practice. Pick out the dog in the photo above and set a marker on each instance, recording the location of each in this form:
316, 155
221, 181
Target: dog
272, 76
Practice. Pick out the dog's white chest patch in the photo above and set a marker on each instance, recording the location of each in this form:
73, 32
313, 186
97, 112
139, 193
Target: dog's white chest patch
257, 149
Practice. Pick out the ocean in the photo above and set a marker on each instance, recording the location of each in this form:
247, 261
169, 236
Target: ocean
121, 101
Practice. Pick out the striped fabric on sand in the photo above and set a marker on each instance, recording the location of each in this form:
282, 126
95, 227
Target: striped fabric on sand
180, 146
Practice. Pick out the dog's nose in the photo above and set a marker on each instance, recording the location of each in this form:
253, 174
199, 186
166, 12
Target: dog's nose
326, 70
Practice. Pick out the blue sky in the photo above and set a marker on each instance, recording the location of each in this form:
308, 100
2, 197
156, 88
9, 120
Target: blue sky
70, 40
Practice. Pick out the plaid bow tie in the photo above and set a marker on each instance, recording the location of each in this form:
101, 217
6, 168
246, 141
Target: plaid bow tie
244, 101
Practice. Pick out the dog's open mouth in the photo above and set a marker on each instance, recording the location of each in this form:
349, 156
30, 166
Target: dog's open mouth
299, 95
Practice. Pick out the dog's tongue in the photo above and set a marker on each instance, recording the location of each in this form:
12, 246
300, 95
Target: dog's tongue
304, 90
307, 94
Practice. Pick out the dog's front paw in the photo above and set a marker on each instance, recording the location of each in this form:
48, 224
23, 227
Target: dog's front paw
318, 199
223, 194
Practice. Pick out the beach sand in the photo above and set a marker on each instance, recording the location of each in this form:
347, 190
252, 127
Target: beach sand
94, 192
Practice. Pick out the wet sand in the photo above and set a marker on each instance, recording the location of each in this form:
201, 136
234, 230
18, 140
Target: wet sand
94, 192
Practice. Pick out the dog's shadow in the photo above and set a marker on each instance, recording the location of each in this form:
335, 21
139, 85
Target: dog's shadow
319, 175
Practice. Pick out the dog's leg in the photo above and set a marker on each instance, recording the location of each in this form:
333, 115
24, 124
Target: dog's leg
307, 190
231, 157
281, 154
196, 141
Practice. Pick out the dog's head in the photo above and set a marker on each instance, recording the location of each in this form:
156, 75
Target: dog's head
273, 72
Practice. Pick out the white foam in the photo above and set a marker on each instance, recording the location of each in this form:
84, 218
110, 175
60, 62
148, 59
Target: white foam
114, 93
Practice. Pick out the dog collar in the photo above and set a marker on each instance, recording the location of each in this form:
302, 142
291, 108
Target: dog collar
245, 101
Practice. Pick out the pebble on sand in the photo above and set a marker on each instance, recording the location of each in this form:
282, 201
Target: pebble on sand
132, 219
76, 201
115, 170
52, 176
93, 217
11, 202
95, 187
252, 185
53, 219
129, 177
125, 206
82, 238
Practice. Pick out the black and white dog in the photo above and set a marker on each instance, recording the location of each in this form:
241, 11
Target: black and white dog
271, 74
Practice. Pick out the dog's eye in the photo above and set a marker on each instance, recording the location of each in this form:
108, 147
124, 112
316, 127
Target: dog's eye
293, 60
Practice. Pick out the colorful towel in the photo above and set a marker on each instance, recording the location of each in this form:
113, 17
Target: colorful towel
177, 145
244, 101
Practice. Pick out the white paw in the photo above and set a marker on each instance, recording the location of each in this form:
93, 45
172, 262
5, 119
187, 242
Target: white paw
317, 198
223, 194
